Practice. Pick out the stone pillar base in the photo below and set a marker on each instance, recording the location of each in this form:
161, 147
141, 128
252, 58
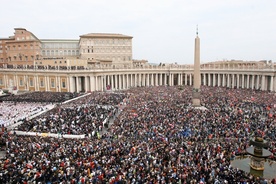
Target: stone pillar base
196, 102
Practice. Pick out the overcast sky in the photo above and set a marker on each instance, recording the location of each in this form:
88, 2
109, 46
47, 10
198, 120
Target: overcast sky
162, 30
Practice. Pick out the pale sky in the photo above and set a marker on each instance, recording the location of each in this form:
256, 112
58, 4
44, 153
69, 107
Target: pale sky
162, 30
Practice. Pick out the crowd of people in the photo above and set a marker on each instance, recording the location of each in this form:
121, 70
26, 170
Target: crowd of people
158, 137
82, 116
11, 113
41, 97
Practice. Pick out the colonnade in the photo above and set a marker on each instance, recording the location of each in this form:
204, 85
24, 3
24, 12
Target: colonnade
127, 80
240, 80
124, 81
101, 80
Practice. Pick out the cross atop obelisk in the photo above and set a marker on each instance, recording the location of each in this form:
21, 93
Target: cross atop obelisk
197, 79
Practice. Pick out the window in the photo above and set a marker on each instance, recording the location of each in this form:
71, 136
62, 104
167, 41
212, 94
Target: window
64, 61
1, 81
52, 83
60, 62
31, 82
21, 82
41, 83
63, 84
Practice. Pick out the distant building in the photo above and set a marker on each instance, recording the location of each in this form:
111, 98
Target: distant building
116, 48
24, 48
59, 48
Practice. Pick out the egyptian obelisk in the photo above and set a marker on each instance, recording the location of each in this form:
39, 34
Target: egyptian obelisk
197, 79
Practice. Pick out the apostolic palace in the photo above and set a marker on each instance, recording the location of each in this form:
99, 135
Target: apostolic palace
101, 61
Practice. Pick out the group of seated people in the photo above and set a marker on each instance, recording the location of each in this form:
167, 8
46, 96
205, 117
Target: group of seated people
41, 97
158, 137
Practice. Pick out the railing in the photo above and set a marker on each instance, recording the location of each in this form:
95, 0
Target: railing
129, 66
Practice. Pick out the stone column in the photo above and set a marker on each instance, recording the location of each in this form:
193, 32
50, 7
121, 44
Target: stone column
263, 82
125, 81
233, 80
17, 82
77, 84
45, 83
72, 84
186, 79
112, 82
5, 81
67, 84
116, 82
108, 80
228, 80
243, 81
86, 83
131, 80
161, 79
274, 84
247, 83
238, 81
25, 82
271, 83
135, 80
219, 82
258, 82
209, 79
223, 79
214, 79
204, 79
190, 81
120, 81
253, 81
156, 79
103, 83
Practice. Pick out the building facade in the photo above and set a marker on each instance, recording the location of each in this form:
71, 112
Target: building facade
24, 48
118, 77
115, 48
57, 48
105, 62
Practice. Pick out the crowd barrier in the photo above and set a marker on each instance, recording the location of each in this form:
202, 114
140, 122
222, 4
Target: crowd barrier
69, 136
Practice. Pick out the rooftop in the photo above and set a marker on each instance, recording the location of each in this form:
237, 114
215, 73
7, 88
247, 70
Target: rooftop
104, 35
